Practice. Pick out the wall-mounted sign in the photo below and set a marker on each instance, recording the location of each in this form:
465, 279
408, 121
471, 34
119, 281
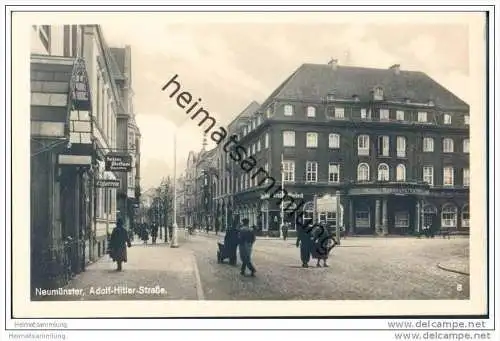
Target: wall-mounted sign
279, 195
118, 163
388, 190
107, 183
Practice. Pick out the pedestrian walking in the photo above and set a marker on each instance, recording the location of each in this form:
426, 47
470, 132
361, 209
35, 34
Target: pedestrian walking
304, 240
145, 234
119, 241
322, 244
231, 241
154, 233
246, 241
284, 230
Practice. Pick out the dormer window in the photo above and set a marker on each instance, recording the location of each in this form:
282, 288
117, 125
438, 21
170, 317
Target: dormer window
244, 131
355, 98
378, 94
466, 120
288, 110
447, 119
431, 103
330, 96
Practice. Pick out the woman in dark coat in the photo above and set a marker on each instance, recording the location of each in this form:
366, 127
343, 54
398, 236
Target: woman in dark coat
118, 244
322, 244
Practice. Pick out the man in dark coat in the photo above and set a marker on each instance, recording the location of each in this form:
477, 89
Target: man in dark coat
246, 241
118, 244
305, 242
154, 233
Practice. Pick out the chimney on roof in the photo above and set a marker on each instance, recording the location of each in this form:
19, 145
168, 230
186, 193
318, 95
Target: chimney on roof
396, 68
333, 63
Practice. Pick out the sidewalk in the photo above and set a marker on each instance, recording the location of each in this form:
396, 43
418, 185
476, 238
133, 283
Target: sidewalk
153, 272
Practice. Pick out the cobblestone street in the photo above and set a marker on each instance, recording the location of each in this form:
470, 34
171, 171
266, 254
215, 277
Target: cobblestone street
360, 269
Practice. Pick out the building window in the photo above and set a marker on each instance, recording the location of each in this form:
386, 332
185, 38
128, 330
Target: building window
333, 172
401, 173
269, 112
447, 145
364, 114
449, 216
363, 145
266, 141
466, 177
384, 114
288, 171
378, 94
422, 116
383, 172
466, 146
311, 111
428, 175
289, 139
339, 112
466, 120
311, 171
401, 219
288, 110
259, 120
428, 144
363, 172
465, 216
383, 146
401, 146
448, 176
253, 149
362, 218
334, 141
258, 146
312, 140
400, 115
447, 119
244, 131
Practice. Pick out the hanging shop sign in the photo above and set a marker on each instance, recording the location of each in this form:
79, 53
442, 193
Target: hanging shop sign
107, 183
118, 163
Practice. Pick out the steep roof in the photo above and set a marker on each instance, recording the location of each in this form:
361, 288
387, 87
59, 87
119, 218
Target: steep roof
249, 111
313, 82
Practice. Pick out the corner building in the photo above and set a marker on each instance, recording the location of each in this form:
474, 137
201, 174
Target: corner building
394, 143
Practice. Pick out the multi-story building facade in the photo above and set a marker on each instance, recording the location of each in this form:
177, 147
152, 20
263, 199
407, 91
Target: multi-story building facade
205, 182
190, 195
228, 171
393, 143
129, 140
74, 109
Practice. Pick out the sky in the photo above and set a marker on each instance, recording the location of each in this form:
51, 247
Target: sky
228, 65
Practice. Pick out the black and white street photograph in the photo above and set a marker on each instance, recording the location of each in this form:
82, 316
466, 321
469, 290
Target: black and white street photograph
234, 157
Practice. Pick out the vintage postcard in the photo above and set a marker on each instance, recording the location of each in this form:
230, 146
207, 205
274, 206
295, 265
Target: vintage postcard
257, 164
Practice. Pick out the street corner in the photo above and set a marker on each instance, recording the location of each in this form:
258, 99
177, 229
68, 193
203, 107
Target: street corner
459, 266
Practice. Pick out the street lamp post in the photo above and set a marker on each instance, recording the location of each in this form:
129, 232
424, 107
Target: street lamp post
174, 241
338, 217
